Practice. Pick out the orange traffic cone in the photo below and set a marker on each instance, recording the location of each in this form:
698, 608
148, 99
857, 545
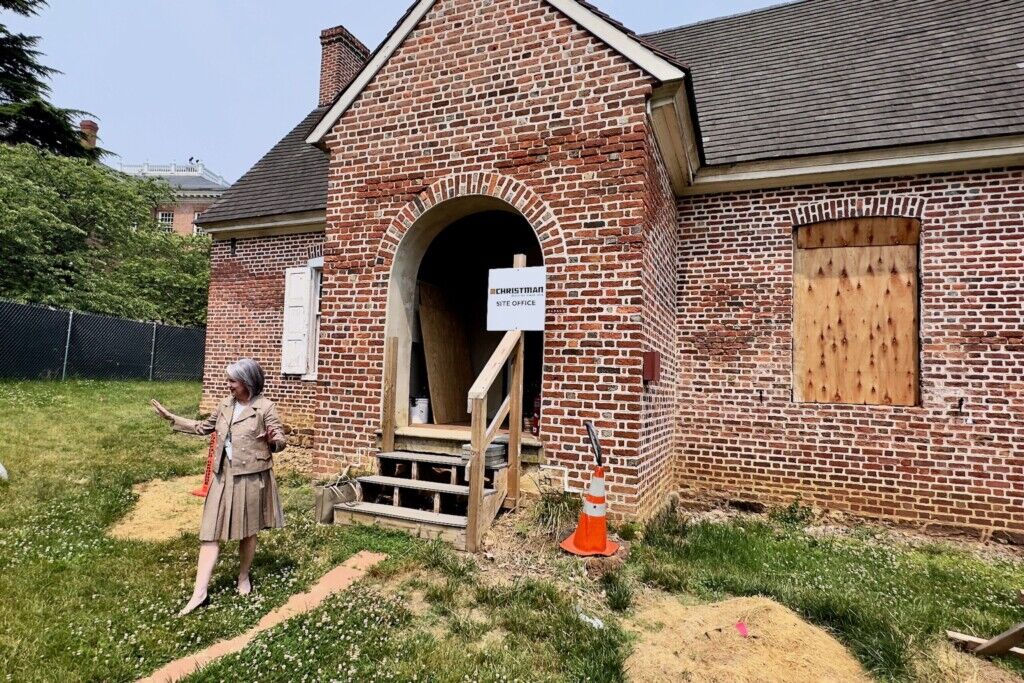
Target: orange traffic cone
205, 488
591, 535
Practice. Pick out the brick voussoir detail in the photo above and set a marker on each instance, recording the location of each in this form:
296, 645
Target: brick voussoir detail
857, 207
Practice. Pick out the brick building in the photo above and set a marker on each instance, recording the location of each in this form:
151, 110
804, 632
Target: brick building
783, 250
195, 189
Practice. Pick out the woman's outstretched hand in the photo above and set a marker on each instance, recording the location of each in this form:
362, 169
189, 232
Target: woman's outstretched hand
160, 410
270, 435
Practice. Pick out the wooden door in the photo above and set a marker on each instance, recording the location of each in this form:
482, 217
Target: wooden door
445, 347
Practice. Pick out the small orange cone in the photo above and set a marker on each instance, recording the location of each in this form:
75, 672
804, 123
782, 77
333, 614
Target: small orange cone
205, 488
591, 535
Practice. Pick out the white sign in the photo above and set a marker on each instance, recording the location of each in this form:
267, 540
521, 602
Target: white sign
515, 299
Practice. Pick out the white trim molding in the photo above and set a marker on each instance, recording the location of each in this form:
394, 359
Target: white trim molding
629, 47
267, 226
670, 117
956, 155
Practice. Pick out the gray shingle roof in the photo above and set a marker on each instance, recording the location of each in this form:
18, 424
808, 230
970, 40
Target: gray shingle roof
290, 178
808, 77
192, 183
834, 75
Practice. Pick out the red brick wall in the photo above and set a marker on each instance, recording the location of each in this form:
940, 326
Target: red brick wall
244, 319
742, 436
342, 56
507, 96
658, 320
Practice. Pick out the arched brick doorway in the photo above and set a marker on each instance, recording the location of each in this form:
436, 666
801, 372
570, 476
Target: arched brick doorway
445, 256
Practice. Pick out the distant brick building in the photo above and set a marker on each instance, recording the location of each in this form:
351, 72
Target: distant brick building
808, 223
195, 188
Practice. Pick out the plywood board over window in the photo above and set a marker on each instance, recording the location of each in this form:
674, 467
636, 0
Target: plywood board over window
855, 312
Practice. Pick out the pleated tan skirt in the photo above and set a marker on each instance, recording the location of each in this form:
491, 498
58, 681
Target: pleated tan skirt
237, 506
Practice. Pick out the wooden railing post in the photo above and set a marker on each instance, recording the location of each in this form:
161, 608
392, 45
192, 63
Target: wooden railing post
387, 420
515, 425
515, 413
476, 473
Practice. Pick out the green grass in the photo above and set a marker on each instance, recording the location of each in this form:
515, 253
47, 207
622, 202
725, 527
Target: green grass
475, 631
78, 605
885, 601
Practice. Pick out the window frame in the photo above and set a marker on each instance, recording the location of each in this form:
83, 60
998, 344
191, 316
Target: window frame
167, 225
316, 265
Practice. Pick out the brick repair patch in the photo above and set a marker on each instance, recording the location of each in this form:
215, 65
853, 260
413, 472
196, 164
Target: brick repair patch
334, 581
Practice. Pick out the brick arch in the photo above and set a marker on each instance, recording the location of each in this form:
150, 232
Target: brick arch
464, 185
858, 207
410, 233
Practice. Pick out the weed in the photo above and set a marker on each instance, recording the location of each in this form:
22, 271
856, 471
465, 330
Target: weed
439, 556
619, 591
557, 511
796, 515
629, 531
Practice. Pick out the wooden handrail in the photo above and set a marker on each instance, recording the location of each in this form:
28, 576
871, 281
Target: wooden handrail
493, 367
492, 429
509, 350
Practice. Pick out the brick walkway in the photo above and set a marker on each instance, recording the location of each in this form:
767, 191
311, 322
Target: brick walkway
338, 579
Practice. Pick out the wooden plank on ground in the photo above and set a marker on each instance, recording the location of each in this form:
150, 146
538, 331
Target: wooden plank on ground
1003, 642
970, 643
449, 374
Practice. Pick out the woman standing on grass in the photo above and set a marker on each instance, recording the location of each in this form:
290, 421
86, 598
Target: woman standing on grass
243, 494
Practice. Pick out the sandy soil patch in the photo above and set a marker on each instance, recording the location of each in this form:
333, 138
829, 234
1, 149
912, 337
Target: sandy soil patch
164, 510
945, 663
701, 643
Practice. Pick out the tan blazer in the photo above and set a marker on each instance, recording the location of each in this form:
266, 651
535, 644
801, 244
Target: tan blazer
249, 453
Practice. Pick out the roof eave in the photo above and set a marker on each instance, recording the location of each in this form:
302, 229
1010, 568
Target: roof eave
883, 162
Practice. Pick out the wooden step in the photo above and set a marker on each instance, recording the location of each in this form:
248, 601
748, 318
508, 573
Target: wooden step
404, 514
430, 458
435, 459
433, 486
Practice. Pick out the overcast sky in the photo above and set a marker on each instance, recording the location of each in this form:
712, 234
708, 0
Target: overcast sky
223, 80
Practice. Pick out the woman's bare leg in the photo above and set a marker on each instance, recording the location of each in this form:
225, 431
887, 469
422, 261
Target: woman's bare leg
246, 551
208, 551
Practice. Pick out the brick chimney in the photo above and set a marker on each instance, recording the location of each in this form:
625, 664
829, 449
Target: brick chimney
89, 130
341, 58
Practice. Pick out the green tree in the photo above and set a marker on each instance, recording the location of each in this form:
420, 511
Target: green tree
25, 114
76, 234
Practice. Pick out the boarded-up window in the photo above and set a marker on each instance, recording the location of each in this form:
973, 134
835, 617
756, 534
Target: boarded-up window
855, 312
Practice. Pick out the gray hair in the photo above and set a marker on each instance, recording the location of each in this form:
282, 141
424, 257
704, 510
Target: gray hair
248, 372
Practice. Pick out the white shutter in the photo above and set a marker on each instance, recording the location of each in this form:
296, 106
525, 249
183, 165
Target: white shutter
295, 336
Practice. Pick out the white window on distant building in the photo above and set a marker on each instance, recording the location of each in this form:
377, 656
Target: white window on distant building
166, 220
196, 230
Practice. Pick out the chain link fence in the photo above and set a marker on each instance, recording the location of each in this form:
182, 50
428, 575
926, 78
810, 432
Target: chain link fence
46, 343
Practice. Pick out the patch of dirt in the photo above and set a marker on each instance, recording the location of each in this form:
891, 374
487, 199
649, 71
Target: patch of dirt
514, 548
701, 643
945, 663
164, 510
